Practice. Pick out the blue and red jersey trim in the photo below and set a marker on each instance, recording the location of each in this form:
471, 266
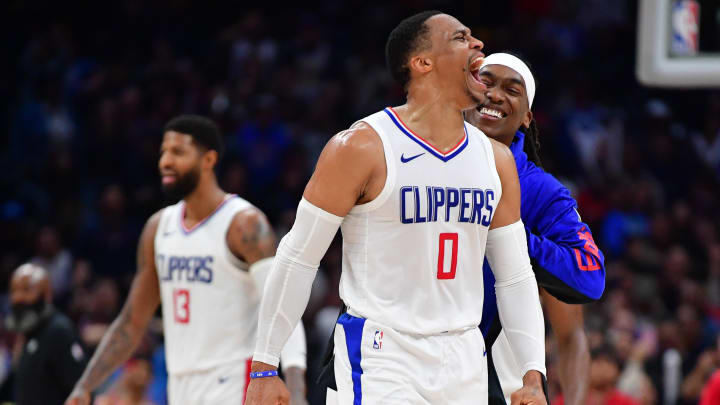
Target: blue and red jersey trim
425, 144
187, 231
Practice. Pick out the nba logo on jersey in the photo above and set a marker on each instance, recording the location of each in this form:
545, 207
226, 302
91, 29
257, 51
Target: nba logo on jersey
377, 341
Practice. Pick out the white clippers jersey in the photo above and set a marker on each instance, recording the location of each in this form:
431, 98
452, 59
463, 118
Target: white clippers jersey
413, 257
209, 302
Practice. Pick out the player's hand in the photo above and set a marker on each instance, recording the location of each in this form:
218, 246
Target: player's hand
532, 391
78, 397
267, 390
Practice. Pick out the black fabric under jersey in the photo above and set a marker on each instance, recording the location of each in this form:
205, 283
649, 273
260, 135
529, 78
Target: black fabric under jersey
51, 362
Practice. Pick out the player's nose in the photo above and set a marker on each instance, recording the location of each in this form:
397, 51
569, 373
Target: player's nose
494, 95
476, 44
165, 161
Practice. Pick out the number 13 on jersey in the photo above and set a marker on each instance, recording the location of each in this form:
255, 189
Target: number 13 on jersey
181, 305
447, 265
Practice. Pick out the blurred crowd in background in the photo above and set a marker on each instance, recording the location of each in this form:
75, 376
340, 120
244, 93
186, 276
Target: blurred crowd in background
84, 100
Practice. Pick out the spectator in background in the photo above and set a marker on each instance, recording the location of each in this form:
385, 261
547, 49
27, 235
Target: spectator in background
109, 240
50, 357
56, 259
604, 373
131, 387
710, 394
703, 382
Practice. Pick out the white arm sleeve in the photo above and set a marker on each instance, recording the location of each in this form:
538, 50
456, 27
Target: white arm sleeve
517, 295
288, 286
294, 354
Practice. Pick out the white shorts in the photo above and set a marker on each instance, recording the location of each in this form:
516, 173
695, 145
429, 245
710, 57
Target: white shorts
375, 364
225, 384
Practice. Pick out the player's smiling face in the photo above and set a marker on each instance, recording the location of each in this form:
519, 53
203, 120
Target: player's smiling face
179, 164
506, 108
457, 57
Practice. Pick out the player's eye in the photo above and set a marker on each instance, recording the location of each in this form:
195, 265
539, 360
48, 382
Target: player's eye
461, 38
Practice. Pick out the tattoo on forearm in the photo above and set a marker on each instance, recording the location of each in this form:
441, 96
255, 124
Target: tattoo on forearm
115, 347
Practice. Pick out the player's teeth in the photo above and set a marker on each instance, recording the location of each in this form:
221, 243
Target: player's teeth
494, 113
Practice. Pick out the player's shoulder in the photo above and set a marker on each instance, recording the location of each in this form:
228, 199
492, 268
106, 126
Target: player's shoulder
504, 159
152, 224
247, 215
59, 324
249, 219
359, 139
537, 178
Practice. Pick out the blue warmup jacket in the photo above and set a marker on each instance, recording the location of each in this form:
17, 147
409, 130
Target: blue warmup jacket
565, 259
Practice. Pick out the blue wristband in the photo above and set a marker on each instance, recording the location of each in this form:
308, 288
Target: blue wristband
263, 374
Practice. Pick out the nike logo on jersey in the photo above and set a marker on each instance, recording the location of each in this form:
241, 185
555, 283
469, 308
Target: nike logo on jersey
222, 380
405, 160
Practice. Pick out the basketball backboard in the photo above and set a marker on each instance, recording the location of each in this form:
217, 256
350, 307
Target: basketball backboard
669, 52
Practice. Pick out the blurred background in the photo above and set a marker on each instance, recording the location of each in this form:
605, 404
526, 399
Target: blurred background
87, 86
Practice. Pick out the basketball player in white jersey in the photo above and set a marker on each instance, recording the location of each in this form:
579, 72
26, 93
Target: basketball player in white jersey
205, 259
421, 197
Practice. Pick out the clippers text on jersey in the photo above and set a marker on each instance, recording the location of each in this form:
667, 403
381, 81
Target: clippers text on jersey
188, 268
433, 204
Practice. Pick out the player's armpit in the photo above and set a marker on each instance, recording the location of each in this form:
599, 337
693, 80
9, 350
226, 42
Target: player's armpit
351, 170
126, 331
250, 236
508, 209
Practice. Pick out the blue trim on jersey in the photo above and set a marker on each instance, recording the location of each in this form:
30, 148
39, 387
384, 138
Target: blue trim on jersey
425, 146
353, 338
186, 231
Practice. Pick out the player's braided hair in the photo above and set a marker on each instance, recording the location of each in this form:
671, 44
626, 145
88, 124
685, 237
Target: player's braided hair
531, 145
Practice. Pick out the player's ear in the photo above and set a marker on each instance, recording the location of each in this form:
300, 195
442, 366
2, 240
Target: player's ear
420, 63
528, 119
210, 159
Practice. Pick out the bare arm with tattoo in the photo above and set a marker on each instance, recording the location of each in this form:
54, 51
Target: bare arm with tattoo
251, 238
125, 333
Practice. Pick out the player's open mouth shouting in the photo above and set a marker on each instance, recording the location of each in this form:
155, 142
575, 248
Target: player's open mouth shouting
474, 64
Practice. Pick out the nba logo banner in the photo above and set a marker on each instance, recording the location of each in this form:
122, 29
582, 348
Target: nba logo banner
377, 341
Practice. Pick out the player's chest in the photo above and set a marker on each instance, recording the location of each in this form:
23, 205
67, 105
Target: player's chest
462, 190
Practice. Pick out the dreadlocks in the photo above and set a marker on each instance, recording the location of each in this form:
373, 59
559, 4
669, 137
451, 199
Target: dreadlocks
531, 145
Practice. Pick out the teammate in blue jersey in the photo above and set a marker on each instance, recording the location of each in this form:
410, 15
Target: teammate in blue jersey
568, 265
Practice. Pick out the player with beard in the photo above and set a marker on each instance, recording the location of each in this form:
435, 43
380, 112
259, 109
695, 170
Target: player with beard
421, 198
205, 259
567, 264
